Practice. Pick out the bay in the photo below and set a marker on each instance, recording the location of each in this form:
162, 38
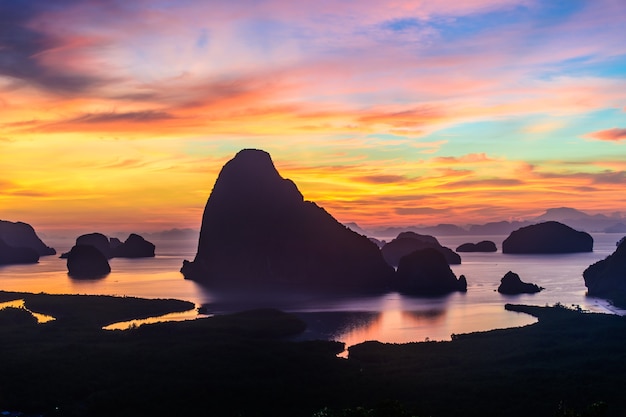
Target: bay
389, 317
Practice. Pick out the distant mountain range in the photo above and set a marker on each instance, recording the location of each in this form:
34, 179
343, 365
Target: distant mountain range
174, 234
574, 218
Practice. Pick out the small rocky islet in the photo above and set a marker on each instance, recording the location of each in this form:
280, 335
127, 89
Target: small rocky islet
409, 242
482, 246
89, 257
135, 246
511, 284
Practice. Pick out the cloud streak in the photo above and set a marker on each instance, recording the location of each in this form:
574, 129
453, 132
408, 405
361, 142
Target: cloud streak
615, 134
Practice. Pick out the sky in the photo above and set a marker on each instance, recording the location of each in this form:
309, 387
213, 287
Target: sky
118, 115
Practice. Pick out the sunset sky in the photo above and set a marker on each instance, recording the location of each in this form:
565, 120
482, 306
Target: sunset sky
118, 115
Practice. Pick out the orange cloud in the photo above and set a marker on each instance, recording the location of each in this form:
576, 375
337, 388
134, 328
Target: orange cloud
380, 179
465, 159
615, 134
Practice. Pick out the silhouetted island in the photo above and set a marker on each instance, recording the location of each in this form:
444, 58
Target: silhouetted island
408, 242
86, 261
607, 278
496, 228
426, 272
259, 233
134, 246
97, 240
23, 235
10, 255
483, 246
511, 284
548, 237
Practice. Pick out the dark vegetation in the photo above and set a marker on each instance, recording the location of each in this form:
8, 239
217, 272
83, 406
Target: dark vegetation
570, 363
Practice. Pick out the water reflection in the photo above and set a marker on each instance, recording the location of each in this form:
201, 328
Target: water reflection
400, 326
41, 318
181, 316
389, 318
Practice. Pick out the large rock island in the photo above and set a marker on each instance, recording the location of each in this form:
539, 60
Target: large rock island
87, 261
22, 235
409, 242
426, 272
607, 278
549, 238
258, 232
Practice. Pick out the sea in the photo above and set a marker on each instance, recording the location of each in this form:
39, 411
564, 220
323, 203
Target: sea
391, 317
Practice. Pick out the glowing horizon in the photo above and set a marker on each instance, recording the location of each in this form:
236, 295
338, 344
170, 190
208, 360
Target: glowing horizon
119, 116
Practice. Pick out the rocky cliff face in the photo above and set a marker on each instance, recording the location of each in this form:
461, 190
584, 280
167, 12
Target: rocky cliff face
10, 255
258, 232
607, 278
22, 235
547, 237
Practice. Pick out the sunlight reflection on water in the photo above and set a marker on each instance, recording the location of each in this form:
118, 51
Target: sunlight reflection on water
182, 316
41, 318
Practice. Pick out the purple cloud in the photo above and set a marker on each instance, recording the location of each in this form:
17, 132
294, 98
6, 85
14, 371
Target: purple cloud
22, 46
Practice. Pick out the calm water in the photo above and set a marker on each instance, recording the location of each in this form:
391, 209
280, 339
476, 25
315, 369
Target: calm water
388, 318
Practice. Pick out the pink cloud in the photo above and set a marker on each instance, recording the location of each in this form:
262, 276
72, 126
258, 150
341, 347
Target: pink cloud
615, 134
337, 72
